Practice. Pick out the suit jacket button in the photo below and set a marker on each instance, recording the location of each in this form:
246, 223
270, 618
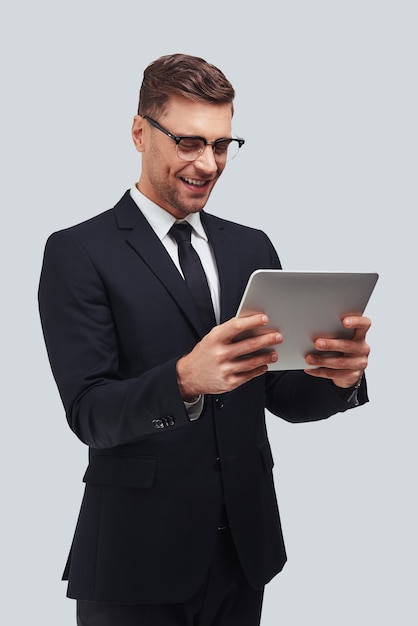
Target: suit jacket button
217, 464
219, 403
170, 420
158, 423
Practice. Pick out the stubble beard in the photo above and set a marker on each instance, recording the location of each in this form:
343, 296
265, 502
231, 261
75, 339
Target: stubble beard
172, 199
168, 193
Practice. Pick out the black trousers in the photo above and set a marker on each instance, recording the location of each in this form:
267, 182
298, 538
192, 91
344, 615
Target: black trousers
225, 599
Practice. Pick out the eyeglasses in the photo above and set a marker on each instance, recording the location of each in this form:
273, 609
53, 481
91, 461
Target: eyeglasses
190, 148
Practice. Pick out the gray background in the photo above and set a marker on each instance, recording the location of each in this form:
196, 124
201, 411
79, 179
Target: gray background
327, 101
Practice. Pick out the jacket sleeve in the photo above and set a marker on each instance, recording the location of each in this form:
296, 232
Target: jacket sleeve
103, 408
297, 397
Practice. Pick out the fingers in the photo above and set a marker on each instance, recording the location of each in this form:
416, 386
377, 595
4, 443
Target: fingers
344, 370
340, 362
347, 355
249, 362
243, 345
255, 344
241, 337
354, 346
350, 356
231, 329
229, 355
341, 378
359, 324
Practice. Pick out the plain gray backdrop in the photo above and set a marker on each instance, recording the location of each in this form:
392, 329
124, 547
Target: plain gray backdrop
327, 101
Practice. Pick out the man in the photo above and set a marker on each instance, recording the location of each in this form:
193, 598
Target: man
179, 522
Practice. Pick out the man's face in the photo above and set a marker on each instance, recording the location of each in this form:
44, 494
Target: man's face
181, 187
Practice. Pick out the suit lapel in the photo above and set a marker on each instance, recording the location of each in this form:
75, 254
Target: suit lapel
142, 238
223, 245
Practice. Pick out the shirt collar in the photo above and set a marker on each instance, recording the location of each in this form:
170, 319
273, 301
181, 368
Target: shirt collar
161, 220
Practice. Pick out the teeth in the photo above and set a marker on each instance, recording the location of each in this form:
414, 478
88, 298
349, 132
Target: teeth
196, 183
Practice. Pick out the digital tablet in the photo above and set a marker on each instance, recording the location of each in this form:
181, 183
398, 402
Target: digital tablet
305, 305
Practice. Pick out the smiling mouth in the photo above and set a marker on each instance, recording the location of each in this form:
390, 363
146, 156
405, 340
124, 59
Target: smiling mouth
195, 183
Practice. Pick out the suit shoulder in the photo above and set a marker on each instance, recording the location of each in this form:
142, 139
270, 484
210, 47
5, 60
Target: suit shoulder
239, 236
89, 225
122, 215
222, 223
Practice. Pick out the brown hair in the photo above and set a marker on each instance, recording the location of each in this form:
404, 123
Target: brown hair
182, 75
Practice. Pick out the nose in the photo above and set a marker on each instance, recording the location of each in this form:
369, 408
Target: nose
206, 161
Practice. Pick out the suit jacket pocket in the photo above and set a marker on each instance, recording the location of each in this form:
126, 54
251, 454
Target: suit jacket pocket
267, 455
121, 471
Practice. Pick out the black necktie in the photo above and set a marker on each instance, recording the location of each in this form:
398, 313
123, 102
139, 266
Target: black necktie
193, 273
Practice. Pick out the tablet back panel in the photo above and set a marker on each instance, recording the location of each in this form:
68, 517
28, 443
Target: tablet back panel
306, 305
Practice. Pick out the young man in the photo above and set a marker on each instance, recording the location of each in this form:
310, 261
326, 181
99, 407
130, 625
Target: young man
179, 523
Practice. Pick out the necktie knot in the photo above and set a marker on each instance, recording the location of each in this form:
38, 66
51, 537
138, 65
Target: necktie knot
181, 232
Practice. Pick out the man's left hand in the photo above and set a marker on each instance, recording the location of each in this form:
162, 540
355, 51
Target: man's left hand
346, 368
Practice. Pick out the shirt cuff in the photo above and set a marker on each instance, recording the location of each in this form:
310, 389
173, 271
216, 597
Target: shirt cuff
350, 394
194, 409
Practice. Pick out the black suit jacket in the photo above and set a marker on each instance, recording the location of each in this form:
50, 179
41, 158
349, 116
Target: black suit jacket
116, 317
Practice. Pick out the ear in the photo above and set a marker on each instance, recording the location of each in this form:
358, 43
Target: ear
138, 132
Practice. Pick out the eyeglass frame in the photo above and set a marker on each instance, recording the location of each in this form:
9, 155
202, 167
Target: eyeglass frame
178, 138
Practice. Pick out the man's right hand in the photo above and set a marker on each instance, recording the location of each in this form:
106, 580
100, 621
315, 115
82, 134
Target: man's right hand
221, 361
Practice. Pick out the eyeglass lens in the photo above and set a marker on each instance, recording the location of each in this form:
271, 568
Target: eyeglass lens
191, 149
